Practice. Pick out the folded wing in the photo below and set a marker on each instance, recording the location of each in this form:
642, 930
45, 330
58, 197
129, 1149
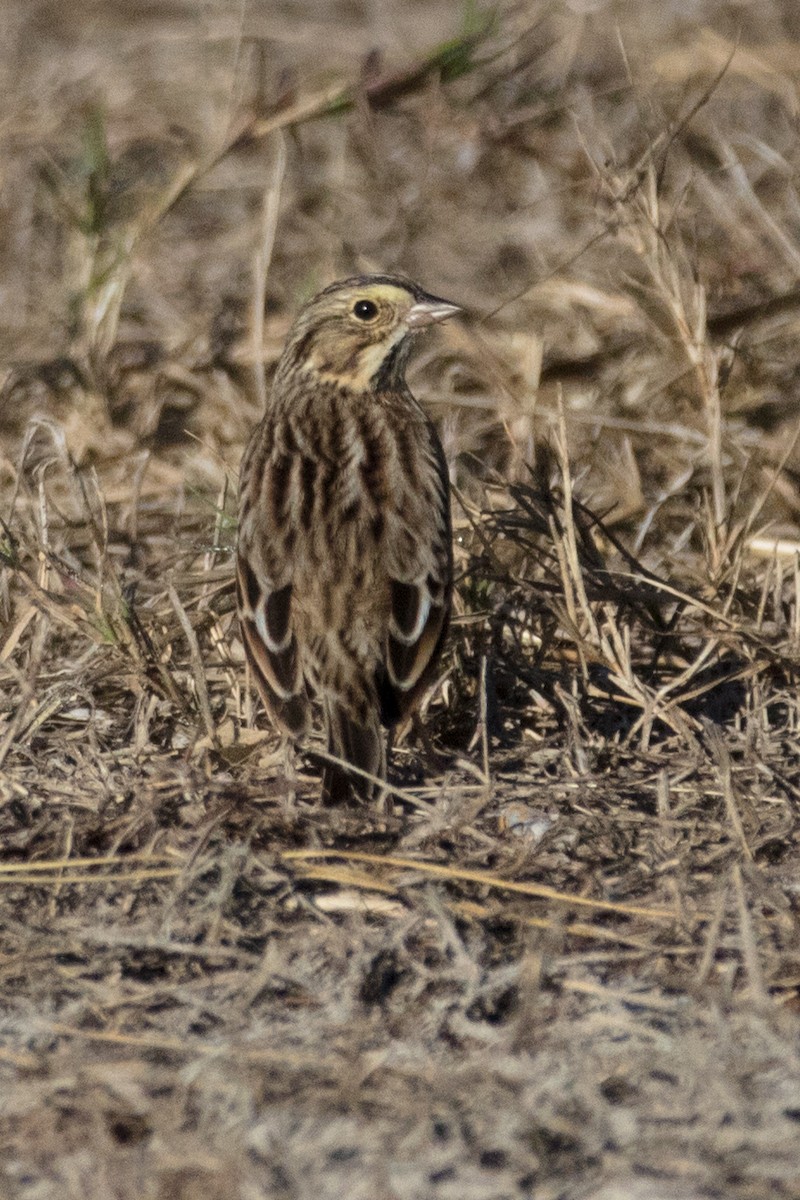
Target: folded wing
420, 588
265, 616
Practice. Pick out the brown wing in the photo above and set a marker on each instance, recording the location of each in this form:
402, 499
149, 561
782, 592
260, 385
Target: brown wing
271, 647
420, 586
263, 582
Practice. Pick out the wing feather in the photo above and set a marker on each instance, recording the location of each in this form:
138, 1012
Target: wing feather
410, 608
419, 594
271, 647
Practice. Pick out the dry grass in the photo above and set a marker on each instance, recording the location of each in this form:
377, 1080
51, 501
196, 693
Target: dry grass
564, 963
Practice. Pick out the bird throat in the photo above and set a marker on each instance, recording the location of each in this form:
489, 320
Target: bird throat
361, 368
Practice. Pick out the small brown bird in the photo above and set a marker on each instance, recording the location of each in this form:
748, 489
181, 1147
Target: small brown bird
344, 566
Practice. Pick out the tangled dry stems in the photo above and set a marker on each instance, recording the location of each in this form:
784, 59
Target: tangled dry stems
565, 960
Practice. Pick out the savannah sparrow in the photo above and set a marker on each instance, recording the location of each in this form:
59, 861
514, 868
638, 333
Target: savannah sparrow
344, 557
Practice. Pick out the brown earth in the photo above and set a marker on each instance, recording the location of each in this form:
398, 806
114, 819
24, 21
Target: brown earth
564, 962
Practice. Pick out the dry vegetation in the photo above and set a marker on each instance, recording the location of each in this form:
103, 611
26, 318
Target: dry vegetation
565, 963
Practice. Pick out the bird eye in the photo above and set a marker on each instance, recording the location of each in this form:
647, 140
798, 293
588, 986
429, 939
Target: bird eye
365, 310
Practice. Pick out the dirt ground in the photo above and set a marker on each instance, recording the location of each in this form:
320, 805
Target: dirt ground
563, 962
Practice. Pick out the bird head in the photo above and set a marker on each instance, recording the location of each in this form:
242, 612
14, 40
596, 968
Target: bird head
357, 333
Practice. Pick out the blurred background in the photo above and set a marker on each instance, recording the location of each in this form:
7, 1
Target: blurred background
606, 188
190, 1008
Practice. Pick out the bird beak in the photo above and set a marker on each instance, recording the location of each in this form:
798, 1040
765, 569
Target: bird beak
430, 312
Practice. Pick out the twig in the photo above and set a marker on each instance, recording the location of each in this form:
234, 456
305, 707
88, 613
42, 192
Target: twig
485, 879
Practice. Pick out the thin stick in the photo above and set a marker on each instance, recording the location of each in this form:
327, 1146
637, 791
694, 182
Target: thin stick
484, 878
262, 259
197, 664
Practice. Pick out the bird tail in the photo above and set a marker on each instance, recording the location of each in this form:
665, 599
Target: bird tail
359, 742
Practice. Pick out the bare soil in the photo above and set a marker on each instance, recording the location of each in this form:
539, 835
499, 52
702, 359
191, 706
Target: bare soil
563, 961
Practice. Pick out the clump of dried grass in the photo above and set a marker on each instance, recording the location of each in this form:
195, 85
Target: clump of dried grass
506, 981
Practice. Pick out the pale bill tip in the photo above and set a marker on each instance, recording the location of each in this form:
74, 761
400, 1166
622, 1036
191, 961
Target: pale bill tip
429, 312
